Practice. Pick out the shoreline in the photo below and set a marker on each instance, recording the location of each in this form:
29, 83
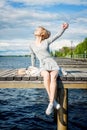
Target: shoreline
14, 55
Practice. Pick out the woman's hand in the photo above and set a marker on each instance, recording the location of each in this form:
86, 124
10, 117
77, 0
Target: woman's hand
65, 25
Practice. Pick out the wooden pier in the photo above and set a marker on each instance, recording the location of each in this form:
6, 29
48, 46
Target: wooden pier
76, 79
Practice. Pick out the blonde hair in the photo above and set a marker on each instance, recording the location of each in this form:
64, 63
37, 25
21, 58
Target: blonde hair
44, 33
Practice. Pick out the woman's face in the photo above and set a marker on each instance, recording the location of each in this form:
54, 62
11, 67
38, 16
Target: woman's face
38, 31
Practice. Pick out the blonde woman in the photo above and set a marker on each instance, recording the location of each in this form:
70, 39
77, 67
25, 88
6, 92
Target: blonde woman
48, 66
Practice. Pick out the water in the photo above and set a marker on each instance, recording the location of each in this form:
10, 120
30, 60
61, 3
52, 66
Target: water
15, 62
24, 109
77, 109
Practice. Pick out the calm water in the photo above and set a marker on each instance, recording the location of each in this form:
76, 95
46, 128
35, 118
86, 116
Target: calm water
24, 109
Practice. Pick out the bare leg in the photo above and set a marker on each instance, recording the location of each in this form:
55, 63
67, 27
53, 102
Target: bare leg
46, 76
53, 85
50, 84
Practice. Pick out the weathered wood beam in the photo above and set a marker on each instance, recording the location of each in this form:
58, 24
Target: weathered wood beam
62, 113
39, 84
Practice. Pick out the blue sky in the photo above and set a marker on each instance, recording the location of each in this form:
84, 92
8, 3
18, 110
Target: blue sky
19, 18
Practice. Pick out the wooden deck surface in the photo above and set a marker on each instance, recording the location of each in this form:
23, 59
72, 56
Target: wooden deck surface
76, 78
74, 74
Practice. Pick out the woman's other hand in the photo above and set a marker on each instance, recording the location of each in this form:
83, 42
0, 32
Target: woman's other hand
65, 25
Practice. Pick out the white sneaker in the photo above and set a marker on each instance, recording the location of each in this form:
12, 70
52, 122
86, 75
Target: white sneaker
49, 109
56, 105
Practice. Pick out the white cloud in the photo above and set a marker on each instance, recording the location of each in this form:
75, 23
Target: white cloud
16, 45
4, 44
62, 43
10, 13
19, 45
2, 3
17, 24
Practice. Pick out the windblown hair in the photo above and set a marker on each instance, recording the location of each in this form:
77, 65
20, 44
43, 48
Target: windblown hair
45, 34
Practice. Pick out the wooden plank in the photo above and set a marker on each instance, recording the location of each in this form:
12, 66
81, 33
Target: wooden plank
25, 78
11, 76
8, 72
63, 78
8, 75
71, 62
3, 72
79, 75
17, 78
74, 66
70, 77
39, 84
75, 85
22, 84
73, 75
33, 78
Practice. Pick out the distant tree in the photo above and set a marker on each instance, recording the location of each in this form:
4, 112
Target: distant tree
65, 50
58, 54
81, 48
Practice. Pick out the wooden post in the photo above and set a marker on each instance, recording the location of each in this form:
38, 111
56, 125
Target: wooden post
62, 112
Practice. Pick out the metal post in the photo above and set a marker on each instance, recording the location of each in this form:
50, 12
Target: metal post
71, 49
84, 54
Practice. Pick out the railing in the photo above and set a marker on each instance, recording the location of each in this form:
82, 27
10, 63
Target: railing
78, 56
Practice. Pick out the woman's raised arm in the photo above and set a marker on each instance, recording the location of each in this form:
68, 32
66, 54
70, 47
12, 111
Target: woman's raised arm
52, 39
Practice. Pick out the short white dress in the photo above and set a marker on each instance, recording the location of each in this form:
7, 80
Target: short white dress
47, 62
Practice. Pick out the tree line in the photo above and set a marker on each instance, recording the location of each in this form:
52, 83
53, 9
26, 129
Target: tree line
81, 48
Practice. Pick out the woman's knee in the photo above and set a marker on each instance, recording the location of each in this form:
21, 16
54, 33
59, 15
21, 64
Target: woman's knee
54, 76
45, 75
